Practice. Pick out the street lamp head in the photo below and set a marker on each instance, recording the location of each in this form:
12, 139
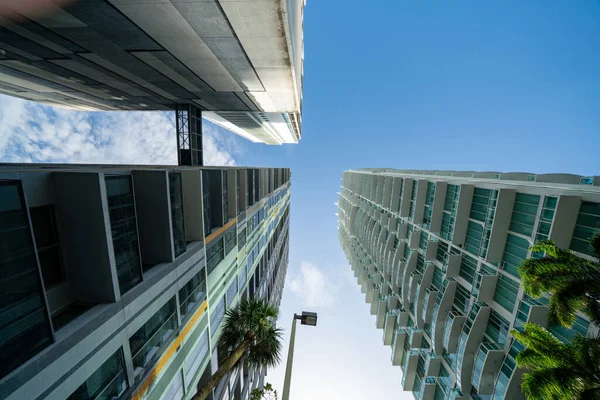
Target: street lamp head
308, 318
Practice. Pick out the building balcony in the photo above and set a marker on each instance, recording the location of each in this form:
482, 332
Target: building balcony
415, 240
427, 389
470, 338
453, 266
395, 198
415, 338
389, 325
413, 284
441, 308
402, 230
381, 312
398, 345
453, 329
465, 199
370, 286
409, 369
456, 394
392, 302
432, 364
431, 252
374, 299
439, 198
531, 311
410, 267
484, 287
508, 384
500, 225
406, 194
364, 286
431, 294
420, 294
487, 365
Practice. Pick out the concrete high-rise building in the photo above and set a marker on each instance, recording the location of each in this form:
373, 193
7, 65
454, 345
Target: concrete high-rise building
236, 63
436, 254
115, 279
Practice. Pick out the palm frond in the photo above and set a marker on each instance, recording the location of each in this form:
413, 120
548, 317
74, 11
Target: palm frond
563, 307
266, 352
546, 246
552, 383
540, 343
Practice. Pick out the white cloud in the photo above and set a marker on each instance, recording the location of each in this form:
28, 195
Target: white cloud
33, 132
312, 286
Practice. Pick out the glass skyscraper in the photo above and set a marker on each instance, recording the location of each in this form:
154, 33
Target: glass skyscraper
114, 280
436, 255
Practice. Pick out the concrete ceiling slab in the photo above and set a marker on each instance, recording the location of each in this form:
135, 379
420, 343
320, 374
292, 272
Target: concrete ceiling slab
205, 18
168, 27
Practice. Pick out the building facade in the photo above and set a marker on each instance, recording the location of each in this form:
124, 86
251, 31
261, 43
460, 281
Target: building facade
239, 63
436, 255
115, 279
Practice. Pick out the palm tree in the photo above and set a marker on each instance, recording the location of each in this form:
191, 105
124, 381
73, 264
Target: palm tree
558, 370
573, 282
249, 334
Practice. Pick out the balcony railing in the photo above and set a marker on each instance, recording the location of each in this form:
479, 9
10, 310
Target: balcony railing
488, 355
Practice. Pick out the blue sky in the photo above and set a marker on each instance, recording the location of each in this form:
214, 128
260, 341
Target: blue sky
480, 85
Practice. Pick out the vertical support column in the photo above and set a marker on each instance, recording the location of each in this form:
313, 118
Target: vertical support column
188, 122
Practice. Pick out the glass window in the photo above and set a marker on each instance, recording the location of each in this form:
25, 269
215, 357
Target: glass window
468, 266
506, 292
587, 225
497, 328
192, 294
230, 239
242, 277
462, 298
107, 382
413, 195
216, 315
514, 253
474, 238
442, 252
225, 199
149, 339
438, 277
123, 224
45, 230
177, 219
214, 254
242, 239
175, 389
206, 203
479, 205
429, 196
580, 327
451, 201
524, 213
25, 328
195, 358
546, 217
231, 292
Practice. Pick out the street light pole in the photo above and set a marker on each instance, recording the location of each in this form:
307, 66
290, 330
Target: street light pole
307, 318
290, 361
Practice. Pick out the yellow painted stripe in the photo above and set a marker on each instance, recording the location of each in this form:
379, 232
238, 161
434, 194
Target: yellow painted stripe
169, 353
220, 230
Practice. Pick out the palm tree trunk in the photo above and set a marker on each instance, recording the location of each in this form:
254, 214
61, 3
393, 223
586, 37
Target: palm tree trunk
224, 368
